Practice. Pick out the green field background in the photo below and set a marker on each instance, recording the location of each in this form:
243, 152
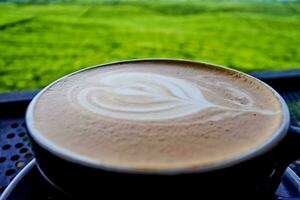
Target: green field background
40, 42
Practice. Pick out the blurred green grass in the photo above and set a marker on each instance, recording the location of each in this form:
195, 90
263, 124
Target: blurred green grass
42, 42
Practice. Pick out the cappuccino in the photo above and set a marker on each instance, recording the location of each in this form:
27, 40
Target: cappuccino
156, 115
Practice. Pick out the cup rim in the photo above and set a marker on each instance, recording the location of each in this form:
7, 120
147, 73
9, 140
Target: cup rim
67, 155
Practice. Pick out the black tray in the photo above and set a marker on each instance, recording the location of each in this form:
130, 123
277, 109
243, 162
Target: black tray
15, 152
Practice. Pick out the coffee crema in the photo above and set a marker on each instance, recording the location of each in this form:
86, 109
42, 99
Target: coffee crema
157, 115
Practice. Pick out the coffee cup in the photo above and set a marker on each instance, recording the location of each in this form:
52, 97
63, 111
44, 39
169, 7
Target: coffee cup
160, 127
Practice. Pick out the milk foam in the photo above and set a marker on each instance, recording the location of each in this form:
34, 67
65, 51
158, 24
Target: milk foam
154, 115
143, 96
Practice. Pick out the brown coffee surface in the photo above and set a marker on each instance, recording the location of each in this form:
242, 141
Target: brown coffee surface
156, 115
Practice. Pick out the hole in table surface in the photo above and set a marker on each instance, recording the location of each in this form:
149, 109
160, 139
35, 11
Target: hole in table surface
23, 150
2, 159
19, 145
6, 147
10, 172
21, 134
14, 157
20, 164
14, 125
10, 135
28, 156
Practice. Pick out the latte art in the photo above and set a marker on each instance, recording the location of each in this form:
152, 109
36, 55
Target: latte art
145, 96
141, 96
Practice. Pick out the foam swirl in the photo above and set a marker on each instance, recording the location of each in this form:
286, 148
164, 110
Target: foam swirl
143, 96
